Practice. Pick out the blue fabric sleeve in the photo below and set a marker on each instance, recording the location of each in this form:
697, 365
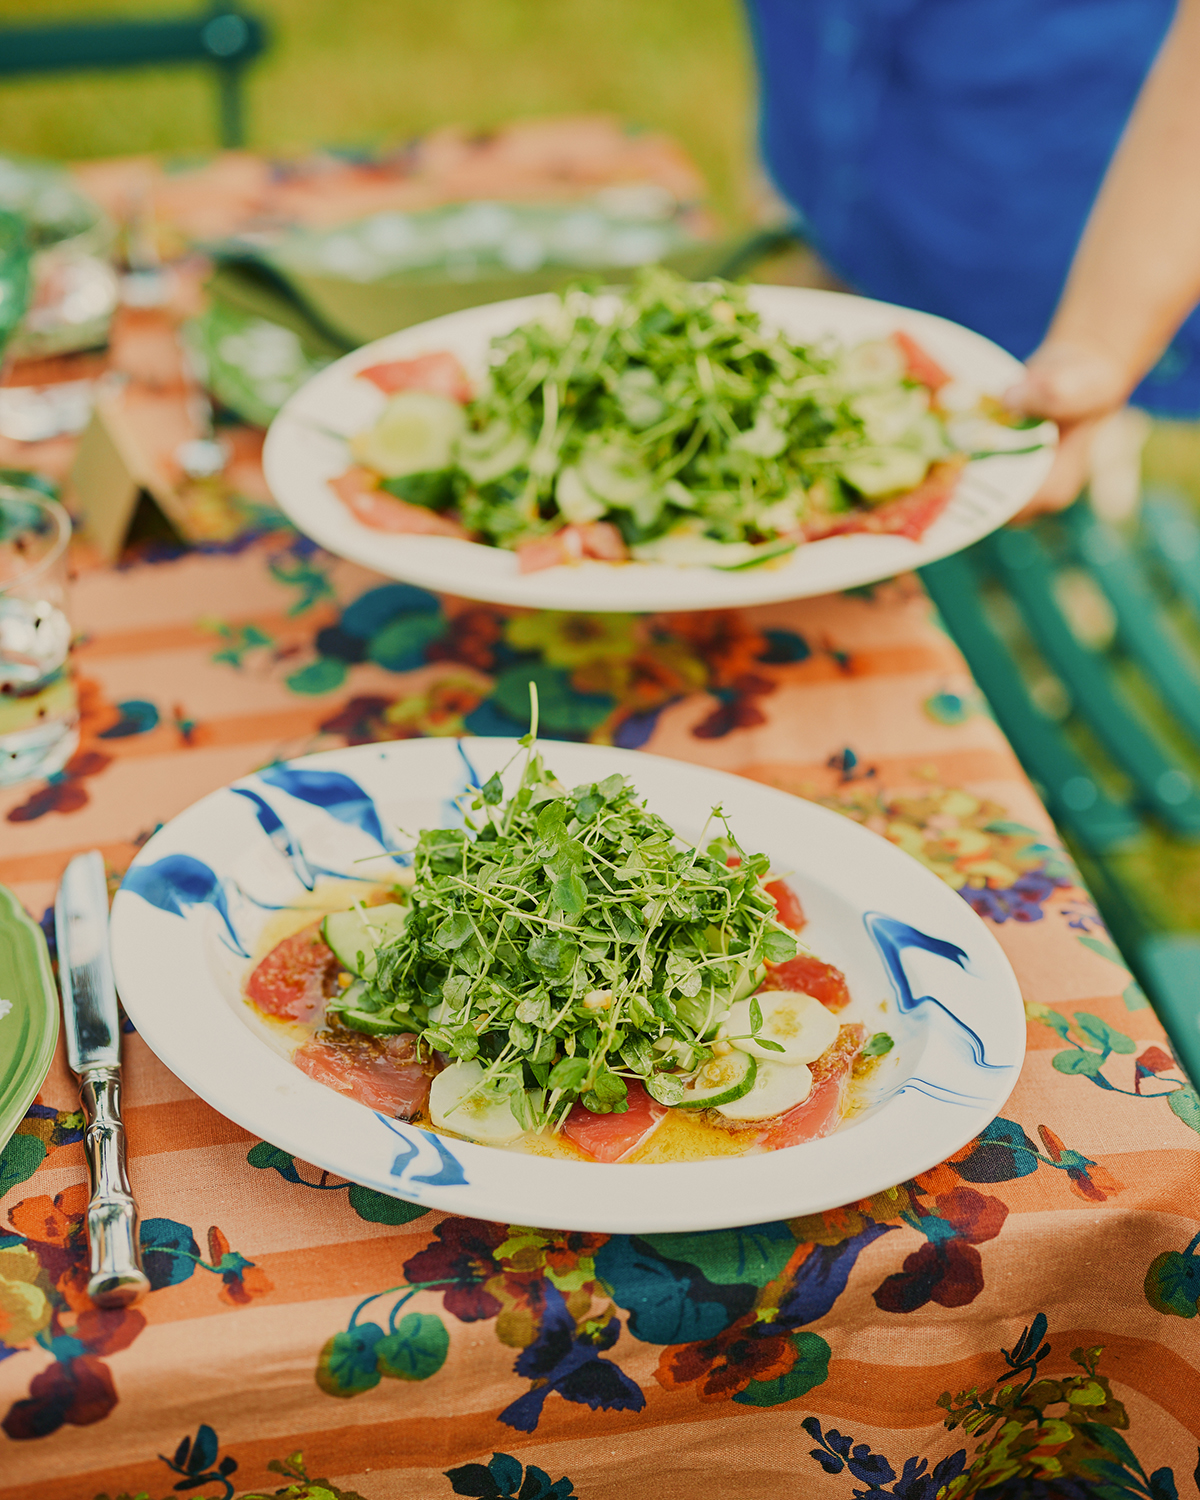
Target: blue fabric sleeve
944, 154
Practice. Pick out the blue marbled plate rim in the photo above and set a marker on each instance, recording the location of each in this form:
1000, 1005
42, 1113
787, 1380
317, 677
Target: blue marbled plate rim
947, 985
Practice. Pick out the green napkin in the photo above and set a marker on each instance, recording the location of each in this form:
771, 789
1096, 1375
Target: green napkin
346, 286
251, 364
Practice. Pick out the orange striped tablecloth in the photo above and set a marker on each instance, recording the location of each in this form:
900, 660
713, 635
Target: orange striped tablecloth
804, 1357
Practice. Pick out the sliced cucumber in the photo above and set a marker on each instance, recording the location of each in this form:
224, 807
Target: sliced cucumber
478, 1117
355, 1007
887, 472
574, 498
748, 981
354, 935
706, 1014
721, 1081
877, 363
775, 1091
802, 1026
702, 1012
685, 1055
640, 397
888, 414
492, 453
616, 474
416, 433
686, 546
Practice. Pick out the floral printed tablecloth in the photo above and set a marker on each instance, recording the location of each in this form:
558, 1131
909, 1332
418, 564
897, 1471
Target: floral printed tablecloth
1022, 1320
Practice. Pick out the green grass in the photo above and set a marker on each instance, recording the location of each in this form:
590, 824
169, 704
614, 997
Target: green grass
365, 71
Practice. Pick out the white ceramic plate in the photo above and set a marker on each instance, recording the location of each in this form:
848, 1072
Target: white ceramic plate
304, 450
189, 911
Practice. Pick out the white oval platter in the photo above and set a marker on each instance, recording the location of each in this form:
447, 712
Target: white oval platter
307, 446
920, 965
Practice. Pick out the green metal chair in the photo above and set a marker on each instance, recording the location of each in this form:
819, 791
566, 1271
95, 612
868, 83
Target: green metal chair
1107, 724
222, 37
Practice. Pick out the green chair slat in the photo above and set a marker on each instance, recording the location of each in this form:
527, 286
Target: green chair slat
1170, 962
1162, 783
223, 37
1174, 537
1144, 633
1075, 799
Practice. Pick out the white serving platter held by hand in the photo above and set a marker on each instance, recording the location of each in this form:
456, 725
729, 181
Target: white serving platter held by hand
188, 919
307, 445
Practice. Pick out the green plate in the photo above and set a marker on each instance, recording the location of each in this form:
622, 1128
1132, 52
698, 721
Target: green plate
29, 1002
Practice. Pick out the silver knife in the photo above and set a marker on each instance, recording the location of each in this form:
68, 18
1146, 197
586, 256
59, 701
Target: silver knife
94, 1050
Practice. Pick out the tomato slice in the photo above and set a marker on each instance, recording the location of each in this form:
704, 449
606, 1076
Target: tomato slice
380, 1072
822, 1111
909, 515
611, 1137
358, 490
812, 976
922, 367
787, 904
572, 544
296, 977
602, 540
440, 374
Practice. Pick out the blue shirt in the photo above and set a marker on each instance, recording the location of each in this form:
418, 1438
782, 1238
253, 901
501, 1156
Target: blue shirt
944, 154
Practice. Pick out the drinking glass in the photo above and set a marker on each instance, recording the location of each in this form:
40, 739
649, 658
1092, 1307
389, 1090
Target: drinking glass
38, 713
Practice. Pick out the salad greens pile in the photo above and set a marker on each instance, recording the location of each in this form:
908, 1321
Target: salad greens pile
676, 416
568, 942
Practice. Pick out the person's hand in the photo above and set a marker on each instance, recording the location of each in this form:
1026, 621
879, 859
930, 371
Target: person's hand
1077, 386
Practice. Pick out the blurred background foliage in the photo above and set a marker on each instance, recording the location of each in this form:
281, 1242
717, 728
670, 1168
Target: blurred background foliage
365, 72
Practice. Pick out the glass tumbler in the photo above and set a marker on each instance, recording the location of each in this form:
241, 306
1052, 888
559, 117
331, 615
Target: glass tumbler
38, 713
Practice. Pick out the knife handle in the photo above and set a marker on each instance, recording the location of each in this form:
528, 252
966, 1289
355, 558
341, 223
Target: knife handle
117, 1278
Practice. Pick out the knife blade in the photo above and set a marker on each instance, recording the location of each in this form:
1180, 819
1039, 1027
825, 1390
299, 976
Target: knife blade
93, 1035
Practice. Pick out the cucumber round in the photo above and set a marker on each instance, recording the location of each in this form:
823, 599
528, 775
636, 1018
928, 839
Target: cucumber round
802, 1026
491, 454
886, 472
888, 415
354, 1008
721, 1081
775, 1091
880, 362
479, 1118
416, 433
574, 498
354, 935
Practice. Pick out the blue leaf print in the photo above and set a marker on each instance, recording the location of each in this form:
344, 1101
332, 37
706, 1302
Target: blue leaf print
341, 797
276, 830
178, 882
891, 937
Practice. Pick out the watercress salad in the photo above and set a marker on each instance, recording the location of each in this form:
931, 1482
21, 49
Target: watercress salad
566, 942
679, 419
